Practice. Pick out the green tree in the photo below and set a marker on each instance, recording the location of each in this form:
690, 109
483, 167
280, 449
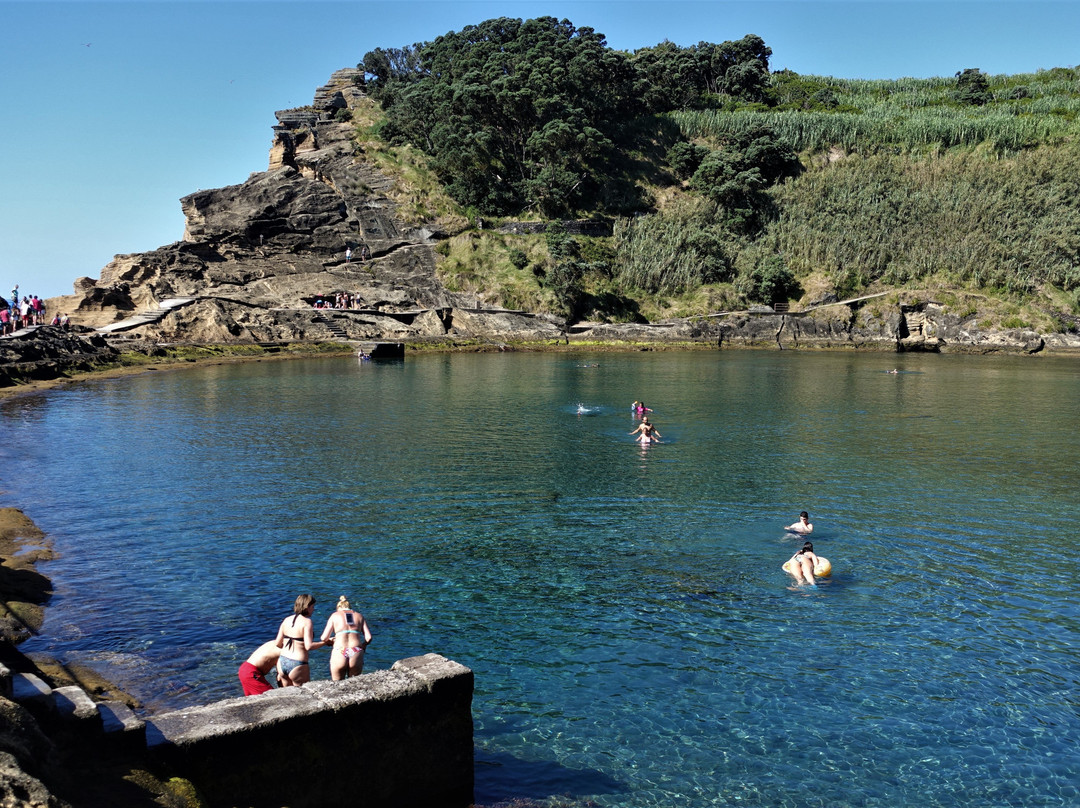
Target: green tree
515, 114
565, 274
735, 176
768, 281
684, 158
972, 87
670, 77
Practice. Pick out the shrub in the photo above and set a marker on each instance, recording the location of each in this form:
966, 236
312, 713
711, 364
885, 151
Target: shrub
518, 258
767, 282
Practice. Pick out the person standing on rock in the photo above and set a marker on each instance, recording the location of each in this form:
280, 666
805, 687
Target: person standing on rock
348, 254
351, 638
296, 638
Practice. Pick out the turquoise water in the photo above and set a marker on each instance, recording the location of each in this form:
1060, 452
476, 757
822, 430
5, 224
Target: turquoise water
634, 640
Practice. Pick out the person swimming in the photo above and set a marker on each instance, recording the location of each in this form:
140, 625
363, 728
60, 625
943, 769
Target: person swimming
803, 525
803, 563
649, 433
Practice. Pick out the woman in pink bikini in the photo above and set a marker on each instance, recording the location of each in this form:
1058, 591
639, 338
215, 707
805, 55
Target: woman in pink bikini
351, 637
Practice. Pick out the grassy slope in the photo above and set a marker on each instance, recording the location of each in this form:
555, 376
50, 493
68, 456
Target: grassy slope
904, 189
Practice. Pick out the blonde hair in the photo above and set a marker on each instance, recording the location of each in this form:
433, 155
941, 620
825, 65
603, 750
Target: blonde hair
343, 603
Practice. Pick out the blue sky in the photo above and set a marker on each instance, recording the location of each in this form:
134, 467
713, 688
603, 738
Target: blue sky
113, 111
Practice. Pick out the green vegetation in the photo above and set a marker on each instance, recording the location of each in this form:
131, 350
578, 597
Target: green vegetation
729, 185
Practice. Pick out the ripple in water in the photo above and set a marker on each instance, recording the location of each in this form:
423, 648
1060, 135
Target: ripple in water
634, 639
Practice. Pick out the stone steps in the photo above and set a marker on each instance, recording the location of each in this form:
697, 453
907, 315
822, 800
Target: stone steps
147, 316
333, 327
73, 719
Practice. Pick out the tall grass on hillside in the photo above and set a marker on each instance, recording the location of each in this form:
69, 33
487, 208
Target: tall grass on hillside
1025, 110
888, 126
672, 252
964, 216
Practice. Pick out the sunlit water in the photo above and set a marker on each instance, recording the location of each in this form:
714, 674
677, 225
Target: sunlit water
634, 639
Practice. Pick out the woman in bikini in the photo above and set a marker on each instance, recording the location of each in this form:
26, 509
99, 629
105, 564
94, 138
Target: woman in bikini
351, 637
804, 563
295, 638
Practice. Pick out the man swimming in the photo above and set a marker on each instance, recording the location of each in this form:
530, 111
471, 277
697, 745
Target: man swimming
803, 525
649, 433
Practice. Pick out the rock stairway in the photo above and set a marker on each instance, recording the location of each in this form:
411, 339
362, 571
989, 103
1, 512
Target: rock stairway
147, 316
332, 326
74, 720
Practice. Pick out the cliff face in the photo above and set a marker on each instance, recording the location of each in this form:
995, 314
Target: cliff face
255, 257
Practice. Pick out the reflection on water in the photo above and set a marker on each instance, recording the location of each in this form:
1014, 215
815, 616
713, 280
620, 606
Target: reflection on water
634, 639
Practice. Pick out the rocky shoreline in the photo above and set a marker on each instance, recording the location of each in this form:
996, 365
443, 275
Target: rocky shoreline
35, 770
49, 355
263, 266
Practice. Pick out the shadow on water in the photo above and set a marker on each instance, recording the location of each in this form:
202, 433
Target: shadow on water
503, 779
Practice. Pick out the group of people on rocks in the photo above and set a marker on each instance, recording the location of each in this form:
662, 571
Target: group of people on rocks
363, 254
346, 632
21, 311
341, 300
26, 310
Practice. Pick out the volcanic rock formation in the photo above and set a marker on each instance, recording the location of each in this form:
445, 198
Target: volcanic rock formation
256, 257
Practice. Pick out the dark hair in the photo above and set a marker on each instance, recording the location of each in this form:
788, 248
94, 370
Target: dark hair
808, 547
804, 513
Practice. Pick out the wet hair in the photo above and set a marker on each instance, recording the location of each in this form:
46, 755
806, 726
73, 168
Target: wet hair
808, 547
804, 513
343, 603
303, 603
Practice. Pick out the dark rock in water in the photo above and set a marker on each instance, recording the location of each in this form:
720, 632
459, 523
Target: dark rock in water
47, 352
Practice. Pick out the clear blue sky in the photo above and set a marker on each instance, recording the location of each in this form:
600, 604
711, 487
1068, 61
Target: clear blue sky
113, 111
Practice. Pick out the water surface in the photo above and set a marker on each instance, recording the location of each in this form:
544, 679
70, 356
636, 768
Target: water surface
634, 640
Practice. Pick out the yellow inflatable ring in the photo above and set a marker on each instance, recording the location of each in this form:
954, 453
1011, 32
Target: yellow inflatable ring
822, 569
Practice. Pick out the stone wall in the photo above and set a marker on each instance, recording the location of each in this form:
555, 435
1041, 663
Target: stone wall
396, 738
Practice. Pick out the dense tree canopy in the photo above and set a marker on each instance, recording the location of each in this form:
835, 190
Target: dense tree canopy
534, 114
515, 114
672, 78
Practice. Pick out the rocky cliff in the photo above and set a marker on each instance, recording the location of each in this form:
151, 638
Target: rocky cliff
256, 257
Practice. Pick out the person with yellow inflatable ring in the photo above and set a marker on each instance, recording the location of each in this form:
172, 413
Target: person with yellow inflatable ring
805, 565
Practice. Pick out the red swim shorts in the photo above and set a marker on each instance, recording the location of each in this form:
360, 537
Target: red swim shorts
252, 680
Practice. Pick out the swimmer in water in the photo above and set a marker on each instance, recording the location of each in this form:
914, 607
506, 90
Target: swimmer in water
803, 563
649, 433
803, 525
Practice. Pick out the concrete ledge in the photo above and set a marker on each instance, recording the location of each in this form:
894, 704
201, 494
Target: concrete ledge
32, 693
125, 732
406, 733
78, 719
